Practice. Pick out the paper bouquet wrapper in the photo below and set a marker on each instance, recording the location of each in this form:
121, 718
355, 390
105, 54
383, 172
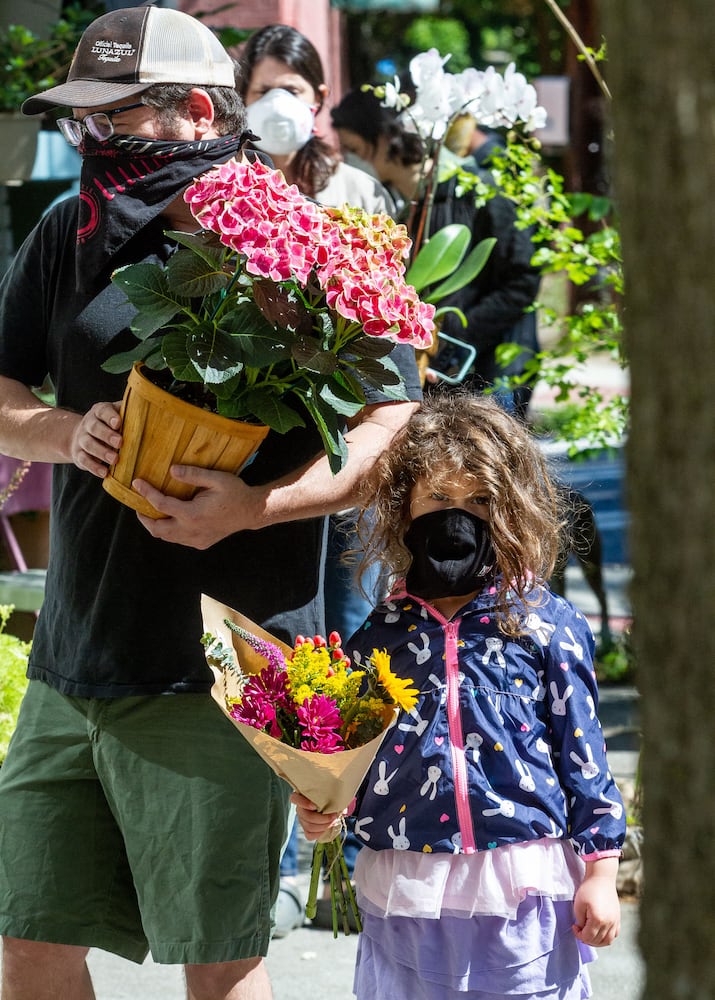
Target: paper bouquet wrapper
328, 780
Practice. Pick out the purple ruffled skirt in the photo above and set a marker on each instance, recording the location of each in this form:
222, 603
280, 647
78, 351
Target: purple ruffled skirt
534, 956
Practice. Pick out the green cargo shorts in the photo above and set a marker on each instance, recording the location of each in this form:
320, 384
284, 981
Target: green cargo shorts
137, 824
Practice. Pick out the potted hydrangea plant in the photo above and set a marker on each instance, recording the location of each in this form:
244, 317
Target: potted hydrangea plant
274, 315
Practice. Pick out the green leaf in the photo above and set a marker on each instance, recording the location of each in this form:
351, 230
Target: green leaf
341, 398
123, 362
368, 347
451, 309
258, 343
214, 355
174, 347
439, 256
263, 404
147, 287
308, 354
205, 244
330, 431
467, 272
382, 374
194, 277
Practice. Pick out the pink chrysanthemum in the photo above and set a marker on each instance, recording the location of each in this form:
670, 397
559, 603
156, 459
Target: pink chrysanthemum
262, 697
320, 721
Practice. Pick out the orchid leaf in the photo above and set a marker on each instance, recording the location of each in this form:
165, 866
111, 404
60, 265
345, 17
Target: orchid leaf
467, 271
439, 256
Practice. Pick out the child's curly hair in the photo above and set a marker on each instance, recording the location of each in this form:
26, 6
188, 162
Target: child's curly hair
455, 434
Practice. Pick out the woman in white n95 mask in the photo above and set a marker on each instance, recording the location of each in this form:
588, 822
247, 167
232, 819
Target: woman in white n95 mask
283, 86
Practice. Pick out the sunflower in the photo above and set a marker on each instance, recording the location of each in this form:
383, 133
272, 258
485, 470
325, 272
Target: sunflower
397, 689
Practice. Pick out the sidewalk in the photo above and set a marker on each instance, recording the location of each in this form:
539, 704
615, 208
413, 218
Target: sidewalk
311, 963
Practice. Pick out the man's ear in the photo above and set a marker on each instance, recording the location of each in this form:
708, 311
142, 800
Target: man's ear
201, 111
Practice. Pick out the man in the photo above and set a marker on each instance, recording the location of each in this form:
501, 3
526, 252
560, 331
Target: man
132, 815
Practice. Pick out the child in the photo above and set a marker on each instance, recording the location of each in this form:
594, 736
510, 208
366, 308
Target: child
491, 823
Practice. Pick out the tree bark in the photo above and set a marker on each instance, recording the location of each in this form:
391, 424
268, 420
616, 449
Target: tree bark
662, 76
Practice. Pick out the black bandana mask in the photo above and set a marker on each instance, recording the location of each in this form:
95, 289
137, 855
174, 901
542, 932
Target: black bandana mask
128, 181
451, 552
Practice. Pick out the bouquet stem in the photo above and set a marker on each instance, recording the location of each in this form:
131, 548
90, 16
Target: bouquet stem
343, 904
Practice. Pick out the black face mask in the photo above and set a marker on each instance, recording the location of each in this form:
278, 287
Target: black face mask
451, 553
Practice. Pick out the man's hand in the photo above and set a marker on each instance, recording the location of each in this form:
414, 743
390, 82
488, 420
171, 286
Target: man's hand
96, 440
223, 505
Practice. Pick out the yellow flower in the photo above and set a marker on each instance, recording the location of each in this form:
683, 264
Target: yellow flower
397, 688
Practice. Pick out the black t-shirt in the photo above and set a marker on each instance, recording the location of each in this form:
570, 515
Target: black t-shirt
121, 614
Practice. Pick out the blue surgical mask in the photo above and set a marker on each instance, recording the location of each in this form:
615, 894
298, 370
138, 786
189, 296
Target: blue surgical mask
283, 122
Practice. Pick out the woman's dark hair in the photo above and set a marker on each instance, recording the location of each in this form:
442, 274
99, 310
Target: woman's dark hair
361, 112
316, 161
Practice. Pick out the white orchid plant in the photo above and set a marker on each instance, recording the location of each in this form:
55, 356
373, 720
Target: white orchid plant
440, 265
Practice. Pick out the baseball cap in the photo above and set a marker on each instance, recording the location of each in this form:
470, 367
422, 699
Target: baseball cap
126, 51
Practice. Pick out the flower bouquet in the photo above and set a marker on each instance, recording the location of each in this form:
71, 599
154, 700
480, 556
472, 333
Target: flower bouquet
280, 309
316, 720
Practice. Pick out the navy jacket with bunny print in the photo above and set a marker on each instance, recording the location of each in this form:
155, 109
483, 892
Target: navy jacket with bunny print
504, 744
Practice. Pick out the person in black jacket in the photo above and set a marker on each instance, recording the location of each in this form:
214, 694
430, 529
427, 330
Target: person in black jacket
495, 303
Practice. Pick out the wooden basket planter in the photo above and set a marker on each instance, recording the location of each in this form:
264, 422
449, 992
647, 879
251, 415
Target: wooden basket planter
159, 430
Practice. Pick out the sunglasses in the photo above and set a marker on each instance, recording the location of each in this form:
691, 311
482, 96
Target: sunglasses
99, 125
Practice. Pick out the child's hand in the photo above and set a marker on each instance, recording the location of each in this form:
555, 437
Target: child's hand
596, 906
322, 827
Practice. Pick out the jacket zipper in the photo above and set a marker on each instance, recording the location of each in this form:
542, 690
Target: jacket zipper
456, 738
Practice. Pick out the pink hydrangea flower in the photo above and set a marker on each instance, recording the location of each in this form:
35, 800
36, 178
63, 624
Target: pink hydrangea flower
357, 260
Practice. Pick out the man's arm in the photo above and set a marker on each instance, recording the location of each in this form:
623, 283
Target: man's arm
225, 504
30, 429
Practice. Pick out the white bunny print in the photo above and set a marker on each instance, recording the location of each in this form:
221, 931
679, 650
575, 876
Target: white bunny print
421, 655
474, 741
540, 628
543, 747
430, 785
553, 833
399, 840
589, 767
611, 808
591, 706
573, 646
558, 705
505, 807
418, 727
526, 781
496, 705
456, 839
539, 692
393, 615
439, 686
494, 648
359, 828
382, 785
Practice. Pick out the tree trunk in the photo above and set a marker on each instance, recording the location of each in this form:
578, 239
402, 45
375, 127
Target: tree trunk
662, 75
